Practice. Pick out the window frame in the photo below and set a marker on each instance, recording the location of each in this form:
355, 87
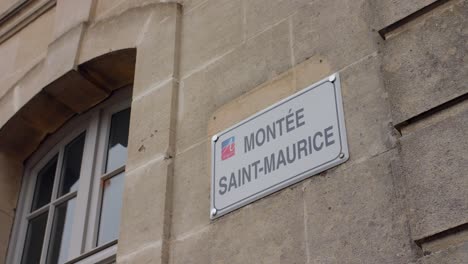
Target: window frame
82, 248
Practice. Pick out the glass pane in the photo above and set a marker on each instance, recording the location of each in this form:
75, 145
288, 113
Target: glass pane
110, 209
71, 165
118, 140
44, 184
34, 240
61, 233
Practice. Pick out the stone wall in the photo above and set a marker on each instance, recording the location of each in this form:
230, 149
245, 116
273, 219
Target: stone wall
203, 65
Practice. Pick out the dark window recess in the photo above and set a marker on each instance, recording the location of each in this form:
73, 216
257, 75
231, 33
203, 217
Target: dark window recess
34, 239
44, 184
72, 165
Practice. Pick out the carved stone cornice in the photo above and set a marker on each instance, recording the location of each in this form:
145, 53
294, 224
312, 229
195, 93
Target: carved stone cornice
21, 14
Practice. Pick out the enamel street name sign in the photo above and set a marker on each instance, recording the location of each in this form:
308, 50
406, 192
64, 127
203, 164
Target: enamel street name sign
293, 139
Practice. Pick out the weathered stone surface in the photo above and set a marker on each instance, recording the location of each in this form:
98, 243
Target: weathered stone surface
262, 14
445, 240
7, 63
62, 53
149, 255
34, 39
45, 113
252, 102
336, 31
210, 30
114, 33
191, 199
427, 64
144, 207
229, 77
10, 181
354, 215
188, 5
112, 8
311, 71
150, 127
366, 109
104, 6
7, 107
6, 4
388, 12
30, 84
19, 139
157, 65
6, 222
69, 14
435, 117
268, 231
76, 92
111, 71
453, 255
434, 162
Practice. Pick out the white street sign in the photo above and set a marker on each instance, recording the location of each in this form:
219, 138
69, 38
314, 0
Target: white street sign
293, 139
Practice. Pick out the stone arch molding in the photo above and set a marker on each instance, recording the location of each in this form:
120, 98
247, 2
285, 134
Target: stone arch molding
83, 66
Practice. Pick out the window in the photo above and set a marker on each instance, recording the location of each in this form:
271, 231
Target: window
71, 197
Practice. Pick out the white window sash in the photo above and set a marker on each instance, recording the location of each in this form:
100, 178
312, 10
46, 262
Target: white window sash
96, 123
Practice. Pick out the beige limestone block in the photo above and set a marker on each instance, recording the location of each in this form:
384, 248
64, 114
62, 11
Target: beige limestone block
8, 51
269, 231
151, 122
157, 54
367, 110
253, 101
149, 255
355, 215
209, 31
6, 223
191, 202
30, 84
262, 14
76, 92
456, 254
426, 65
104, 6
10, 181
189, 5
258, 60
105, 9
69, 14
334, 30
144, 209
114, 33
311, 71
19, 139
34, 39
388, 12
45, 113
62, 53
444, 241
7, 107
434, 162
7, 4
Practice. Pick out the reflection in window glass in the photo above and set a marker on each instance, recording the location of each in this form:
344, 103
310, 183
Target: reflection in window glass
61, 233
34, 239
118, 140
111, 206
44, 184
71, 165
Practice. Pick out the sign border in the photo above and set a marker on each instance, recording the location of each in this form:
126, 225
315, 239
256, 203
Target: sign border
342, 157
